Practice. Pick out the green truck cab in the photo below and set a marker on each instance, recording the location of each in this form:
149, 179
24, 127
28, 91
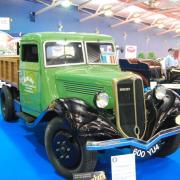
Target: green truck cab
72, 81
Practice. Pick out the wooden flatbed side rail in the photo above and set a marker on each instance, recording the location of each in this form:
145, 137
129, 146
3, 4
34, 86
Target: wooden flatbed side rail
9, 67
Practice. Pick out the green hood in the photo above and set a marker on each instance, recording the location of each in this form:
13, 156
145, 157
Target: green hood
85, 81
95, 74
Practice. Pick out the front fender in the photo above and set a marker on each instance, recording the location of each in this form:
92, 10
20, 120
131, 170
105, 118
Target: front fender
85, 120
161, 114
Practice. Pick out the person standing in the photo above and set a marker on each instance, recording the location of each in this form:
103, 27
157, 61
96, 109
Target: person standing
169, 59
169, 62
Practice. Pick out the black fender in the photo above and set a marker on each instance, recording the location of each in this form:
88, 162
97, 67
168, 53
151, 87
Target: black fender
84, 120
161, 113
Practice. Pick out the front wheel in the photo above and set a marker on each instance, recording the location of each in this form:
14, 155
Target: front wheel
67, 152
169, 146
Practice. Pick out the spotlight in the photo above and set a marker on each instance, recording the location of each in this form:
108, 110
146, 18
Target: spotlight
137, 20
136, 15
108, 12
66, 3
160, 26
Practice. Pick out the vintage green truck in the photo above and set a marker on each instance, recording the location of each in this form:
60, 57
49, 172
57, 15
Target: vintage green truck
72, 81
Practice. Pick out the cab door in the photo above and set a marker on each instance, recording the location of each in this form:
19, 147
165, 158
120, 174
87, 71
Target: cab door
29, 79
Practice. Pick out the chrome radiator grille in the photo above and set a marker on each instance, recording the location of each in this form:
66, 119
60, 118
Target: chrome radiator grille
130, 107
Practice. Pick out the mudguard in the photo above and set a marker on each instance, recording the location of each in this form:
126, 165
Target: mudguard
86, 121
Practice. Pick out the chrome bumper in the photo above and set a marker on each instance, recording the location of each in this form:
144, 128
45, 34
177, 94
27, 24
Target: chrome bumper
133, 142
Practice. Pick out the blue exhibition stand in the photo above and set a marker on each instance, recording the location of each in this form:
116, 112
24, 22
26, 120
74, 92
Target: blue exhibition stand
23, 157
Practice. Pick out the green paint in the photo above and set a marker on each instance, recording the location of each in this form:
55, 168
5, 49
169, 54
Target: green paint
39, 86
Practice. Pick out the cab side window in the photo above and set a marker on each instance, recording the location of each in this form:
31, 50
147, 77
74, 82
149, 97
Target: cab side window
30, 53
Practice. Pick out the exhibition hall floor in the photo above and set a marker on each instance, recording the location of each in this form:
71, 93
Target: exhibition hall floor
23, 157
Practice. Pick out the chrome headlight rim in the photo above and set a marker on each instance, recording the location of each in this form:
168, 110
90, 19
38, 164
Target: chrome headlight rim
177, 120
160, 92
101, 100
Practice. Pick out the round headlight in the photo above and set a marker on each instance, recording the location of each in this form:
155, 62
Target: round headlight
160, 92
177, 120
102, 100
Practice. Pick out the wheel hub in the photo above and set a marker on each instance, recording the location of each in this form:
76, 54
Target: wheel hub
66, 149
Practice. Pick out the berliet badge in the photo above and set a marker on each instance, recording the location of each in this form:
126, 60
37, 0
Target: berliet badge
124, 89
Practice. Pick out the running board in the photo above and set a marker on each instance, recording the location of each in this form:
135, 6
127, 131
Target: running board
26, 117
126, 142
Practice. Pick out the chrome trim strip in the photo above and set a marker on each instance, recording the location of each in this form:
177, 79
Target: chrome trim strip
125, 142
136, 127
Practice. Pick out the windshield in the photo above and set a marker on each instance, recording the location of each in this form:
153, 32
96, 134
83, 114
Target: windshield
62, 52
102, 53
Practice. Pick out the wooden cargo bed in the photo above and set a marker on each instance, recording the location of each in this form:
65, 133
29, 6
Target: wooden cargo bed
9, 67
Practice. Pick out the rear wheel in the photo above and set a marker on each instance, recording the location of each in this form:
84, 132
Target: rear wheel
7, 104
66, 151
169, 146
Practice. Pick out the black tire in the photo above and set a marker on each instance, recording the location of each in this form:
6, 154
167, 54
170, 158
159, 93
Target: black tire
7, 104
66, 151
169, 146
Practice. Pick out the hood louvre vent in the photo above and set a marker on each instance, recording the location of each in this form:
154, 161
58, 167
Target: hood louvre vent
82, 88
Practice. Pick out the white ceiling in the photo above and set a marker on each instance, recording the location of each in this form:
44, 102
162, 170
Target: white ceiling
162, 14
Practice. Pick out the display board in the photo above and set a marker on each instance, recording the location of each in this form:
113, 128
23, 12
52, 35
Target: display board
8, 44
4, 23
130, 51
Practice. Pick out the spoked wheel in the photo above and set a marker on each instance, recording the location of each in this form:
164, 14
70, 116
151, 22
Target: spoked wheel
66, 151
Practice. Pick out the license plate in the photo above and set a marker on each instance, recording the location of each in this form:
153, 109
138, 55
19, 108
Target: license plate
142, 153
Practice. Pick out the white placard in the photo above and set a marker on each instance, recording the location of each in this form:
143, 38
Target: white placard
130, 51
4, 23
123, 167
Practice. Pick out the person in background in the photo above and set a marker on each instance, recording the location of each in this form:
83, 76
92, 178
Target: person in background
177, 63
162, 61
169, 59
169, 62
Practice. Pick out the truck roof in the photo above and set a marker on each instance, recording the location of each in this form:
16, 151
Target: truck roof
45, 36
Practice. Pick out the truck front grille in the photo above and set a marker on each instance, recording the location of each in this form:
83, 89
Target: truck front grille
130, 107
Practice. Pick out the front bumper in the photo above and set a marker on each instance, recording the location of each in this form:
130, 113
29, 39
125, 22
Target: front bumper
132, 142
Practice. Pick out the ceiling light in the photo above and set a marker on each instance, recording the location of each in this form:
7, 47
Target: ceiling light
104, 2
156, 4
173, 0
159, 22
136, 15
137, 20
66, 3
108, 12
160, 26
152, 3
